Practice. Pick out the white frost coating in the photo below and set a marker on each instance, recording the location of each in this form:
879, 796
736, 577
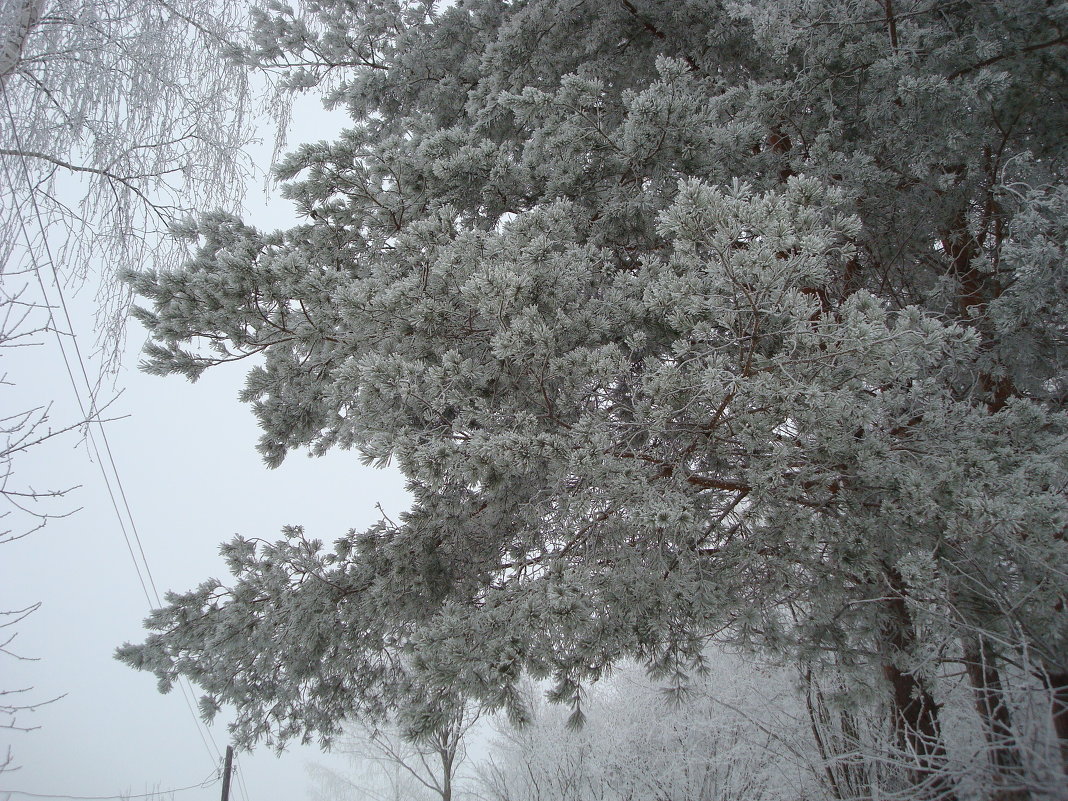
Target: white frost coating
118, 117
16, 22
769, 349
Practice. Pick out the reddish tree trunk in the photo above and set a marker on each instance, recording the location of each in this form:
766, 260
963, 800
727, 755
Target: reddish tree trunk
915, 712
979, 661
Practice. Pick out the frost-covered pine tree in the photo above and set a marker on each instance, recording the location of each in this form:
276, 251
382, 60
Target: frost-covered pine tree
683, 321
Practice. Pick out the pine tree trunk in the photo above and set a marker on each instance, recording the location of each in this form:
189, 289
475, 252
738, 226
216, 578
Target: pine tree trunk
447, 754
818, 719
844, 775
990, 703
915, 713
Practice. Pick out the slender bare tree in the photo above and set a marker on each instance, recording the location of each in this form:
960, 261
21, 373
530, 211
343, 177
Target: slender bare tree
117, 117
390, 767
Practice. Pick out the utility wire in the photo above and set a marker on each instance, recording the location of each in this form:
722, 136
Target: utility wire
208, 782
87, 415
91, 413
242, 789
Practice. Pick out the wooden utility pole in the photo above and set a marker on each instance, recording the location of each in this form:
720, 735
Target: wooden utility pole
226, 772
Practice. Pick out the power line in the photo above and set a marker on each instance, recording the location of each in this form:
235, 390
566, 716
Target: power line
208, 782
92, 412
88, 417
242, 789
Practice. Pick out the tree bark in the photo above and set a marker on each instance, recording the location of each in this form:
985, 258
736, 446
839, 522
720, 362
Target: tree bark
915, 712
448, 742
16, 30
980, 662
844, 775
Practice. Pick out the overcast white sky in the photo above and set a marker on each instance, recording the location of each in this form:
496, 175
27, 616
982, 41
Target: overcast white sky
186, 456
